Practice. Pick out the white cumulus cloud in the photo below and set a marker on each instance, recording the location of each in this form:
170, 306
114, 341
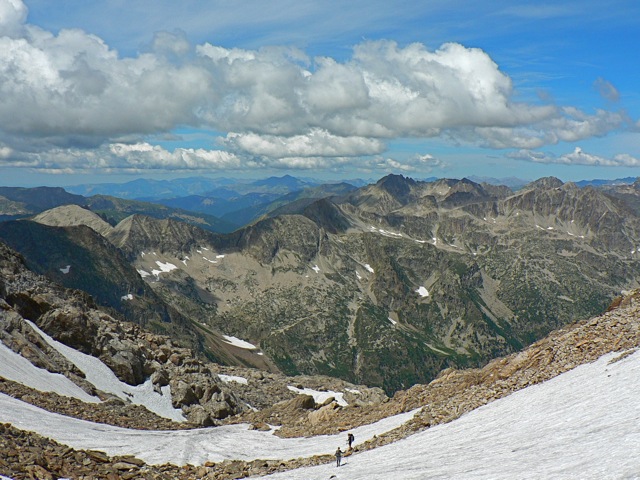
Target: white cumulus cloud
577, 157
69, 95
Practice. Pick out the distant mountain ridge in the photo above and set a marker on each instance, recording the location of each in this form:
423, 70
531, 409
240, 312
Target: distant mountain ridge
392, 282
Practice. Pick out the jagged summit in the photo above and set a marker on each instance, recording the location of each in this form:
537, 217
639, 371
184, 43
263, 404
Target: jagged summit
398, 186
139, 232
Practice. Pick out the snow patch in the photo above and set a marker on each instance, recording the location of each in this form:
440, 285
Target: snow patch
423, 292
164, 268
368, 267
103, 378
393, 322
128, 296
320, 397
236, 342
316, 268
16, 368
233, 378
143, 274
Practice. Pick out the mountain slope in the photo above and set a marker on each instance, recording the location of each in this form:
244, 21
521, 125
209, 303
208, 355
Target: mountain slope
73, 215
394, 282
531, 433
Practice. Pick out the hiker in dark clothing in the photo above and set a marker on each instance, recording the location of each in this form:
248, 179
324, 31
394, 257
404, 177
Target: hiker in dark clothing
338, 456
350, 439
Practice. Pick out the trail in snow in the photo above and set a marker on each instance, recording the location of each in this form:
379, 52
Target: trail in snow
179, 447
584, 424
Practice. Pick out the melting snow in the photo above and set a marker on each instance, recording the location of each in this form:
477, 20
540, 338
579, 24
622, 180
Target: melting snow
233, 378
321, 397
164, 268
16, 368
393, 322
143, 273
358, 275
183, 446
368, 267
219, 256
423, 292
103, 378
581, 424
316, 268
128, 296
236, 342
66, 269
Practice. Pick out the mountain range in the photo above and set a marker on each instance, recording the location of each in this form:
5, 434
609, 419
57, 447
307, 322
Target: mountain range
384, 285
412, 313
83, 393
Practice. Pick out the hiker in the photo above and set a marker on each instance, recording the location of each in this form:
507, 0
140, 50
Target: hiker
338, 456
350, 439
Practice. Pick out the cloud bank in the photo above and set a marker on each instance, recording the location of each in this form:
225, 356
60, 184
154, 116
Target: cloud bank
69, 101
577, 157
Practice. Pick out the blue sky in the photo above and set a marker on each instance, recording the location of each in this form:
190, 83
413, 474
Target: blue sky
115, 90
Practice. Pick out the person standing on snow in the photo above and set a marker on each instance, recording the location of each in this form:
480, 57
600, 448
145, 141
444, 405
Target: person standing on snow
338, 456
350, 439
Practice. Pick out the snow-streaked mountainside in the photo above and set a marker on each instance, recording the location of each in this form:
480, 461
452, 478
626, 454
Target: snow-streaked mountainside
582, 424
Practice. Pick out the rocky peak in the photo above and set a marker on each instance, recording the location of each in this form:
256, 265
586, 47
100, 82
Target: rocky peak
545, 183
398, 186
73, 215
139, 232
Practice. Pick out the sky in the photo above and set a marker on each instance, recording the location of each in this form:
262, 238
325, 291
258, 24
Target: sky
109, 91
582, 424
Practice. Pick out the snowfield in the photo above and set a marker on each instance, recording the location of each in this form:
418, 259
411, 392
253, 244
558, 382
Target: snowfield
183, 446
584, 424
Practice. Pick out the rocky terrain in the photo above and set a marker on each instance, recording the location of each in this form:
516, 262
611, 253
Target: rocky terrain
71, 317
386, 285
453, 393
